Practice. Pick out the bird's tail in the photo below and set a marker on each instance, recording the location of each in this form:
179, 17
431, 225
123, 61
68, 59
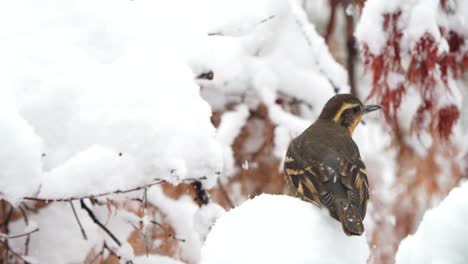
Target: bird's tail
349, 217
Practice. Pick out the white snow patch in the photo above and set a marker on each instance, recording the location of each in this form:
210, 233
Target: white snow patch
280, 229
20, 154
59, 230
92, 171
205, 217
442, 235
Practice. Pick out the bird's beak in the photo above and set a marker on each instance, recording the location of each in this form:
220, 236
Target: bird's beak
370, 108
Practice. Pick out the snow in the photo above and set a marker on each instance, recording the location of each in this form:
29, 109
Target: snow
58, 229
87, 83
231, 124
98, 170
205, 218
280, 229
180, 214
442, 235
125, 253
20, 154
59, 238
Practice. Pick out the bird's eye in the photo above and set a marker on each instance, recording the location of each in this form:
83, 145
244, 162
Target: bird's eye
356, 109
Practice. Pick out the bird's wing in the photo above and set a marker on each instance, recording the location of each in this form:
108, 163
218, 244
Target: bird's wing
354, 177
303, 184
313, 181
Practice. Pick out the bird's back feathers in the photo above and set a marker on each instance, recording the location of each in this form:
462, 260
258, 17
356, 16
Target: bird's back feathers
330, 173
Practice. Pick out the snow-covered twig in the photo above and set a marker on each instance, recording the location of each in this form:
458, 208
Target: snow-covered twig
331, 69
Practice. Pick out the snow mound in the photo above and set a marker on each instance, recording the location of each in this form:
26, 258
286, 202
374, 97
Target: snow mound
442, 236
20, 156
280, 229
81, 77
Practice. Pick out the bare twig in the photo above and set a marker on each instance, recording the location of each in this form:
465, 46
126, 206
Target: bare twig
17, 236
23, 212
97, 222
225, 194
26, 244
157, 181
145, 198
83, 232
169, 234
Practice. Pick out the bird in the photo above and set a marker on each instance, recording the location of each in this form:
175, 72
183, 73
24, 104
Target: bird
323, 165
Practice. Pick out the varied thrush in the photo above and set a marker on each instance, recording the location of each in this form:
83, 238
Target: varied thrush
323, 165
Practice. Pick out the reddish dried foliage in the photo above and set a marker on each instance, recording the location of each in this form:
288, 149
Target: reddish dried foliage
447, 117
425, 68
428, 71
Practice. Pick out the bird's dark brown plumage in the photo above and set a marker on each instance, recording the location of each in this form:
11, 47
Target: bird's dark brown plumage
323, 164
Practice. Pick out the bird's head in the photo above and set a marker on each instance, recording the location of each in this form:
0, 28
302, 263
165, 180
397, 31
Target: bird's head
346, 110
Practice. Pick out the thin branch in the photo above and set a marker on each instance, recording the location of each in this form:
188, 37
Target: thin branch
157, 181
145, 198
25, 215
26, 244
97, 222
169, 234
83, 232
224, 192
17, 236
